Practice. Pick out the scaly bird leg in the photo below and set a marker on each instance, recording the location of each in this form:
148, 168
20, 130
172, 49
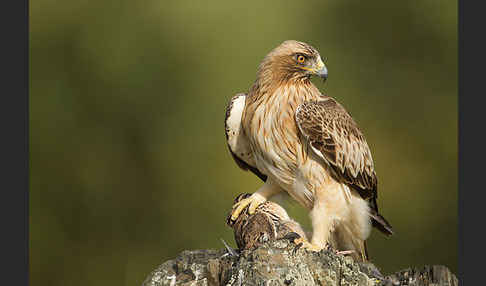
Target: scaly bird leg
257, 198
321, 225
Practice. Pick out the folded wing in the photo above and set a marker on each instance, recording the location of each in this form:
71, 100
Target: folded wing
237, 142
336, 138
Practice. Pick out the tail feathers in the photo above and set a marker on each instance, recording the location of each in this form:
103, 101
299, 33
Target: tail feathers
378, 220
365, 255
381, 223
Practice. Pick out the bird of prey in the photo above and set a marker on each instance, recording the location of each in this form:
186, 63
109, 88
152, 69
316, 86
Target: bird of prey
302, 142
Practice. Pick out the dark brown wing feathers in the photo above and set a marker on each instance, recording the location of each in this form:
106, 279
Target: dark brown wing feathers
333, 133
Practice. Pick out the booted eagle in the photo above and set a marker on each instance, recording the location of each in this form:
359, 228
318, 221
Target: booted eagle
302, 142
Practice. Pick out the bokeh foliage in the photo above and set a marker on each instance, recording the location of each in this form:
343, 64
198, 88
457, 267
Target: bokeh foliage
129, 164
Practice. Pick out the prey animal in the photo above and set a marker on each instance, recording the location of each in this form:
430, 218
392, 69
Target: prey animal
302, 142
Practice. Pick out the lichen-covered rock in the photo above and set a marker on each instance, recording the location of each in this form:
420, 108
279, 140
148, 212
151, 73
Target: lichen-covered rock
428, 275
197, 267
266, 257
275, 263
281, 263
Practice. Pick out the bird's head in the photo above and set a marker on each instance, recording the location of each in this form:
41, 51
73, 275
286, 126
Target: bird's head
293, 60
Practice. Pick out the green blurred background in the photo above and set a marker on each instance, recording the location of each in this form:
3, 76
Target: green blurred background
129, 164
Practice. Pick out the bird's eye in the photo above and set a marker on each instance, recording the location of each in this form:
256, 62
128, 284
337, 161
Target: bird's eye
301, 59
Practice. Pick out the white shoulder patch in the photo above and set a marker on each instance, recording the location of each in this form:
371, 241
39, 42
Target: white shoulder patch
233, 121
237, 141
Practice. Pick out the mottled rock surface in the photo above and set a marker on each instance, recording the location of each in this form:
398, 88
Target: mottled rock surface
281, 263
267, 257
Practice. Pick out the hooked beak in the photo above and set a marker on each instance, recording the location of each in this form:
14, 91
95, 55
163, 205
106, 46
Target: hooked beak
321, 70
322, 73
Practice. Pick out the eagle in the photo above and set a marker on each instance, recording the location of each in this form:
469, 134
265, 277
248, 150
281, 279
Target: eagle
302, 142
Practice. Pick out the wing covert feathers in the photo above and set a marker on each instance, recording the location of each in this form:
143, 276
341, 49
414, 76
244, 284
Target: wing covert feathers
336, 138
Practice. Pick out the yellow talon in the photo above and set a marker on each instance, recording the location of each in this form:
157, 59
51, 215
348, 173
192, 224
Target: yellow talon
253, 206
307, 245
254, 201
239, 207
312, 247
